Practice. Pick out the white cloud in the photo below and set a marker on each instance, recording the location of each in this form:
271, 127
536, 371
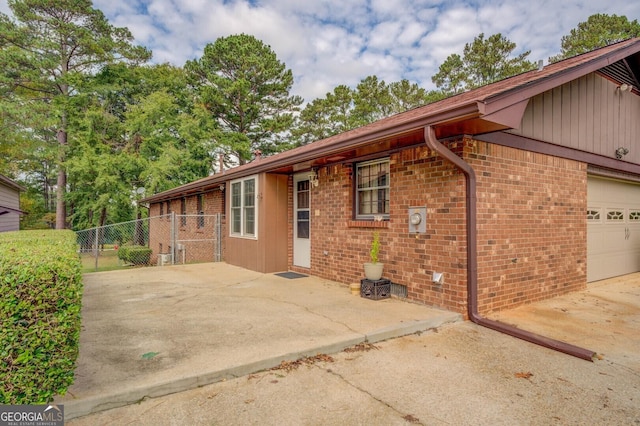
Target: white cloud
330, 42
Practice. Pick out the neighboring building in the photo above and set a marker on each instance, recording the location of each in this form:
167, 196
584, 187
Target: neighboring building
9, 204
528, 188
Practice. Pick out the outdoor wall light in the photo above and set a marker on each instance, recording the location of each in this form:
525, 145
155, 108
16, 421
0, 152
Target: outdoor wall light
313, 178
624, 87
621, 152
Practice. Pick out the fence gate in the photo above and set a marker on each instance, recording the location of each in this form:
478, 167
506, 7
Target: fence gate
191, 238
170, 239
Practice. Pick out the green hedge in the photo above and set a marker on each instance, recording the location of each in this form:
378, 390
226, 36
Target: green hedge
137, 255
41, 296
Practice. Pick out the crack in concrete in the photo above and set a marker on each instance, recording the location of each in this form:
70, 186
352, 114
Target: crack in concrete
405, 416
307, 309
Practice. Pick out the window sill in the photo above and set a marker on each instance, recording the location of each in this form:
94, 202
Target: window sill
244, 237
367, 224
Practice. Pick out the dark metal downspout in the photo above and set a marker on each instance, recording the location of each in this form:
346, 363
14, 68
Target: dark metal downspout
472, 260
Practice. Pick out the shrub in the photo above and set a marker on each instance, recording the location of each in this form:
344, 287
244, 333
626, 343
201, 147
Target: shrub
375, 247
137, 255
41, 287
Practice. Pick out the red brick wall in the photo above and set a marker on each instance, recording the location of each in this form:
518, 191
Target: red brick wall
531, 226
532, 230
194, 251
340, 245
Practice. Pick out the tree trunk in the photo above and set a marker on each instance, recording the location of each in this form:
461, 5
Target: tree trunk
103, 220
139, 232
61, 207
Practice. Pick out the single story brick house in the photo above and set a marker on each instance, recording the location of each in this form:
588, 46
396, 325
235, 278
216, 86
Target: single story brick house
9, 204
517, 191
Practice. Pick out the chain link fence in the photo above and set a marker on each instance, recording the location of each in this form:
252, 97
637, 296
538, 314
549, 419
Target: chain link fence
159, 240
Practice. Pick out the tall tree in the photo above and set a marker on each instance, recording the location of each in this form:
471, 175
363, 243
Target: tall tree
324, 117
405, 96
345, 108
598, 30
137, 127
245, 86
46, 49
483, 61
452, 75
371, 101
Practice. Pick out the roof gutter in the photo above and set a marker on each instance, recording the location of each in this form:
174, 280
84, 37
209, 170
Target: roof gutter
330, 146
472, 260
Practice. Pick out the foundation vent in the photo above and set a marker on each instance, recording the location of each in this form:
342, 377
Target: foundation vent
399, 290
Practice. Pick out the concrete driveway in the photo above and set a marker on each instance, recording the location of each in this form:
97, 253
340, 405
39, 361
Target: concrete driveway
604, 318
149, 332
457, 374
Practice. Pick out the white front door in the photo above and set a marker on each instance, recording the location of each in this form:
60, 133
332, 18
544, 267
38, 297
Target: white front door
301, 221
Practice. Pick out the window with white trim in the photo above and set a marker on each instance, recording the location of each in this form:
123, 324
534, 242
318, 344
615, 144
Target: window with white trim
593, 215
243, 207
372, 189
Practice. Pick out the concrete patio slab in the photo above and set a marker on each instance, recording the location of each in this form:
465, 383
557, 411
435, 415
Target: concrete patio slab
457, 374
149, 332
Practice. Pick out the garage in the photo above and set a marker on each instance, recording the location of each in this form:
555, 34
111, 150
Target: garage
613, 228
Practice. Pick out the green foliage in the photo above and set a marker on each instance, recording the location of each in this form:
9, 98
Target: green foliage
375, 247
345, 108
136, 127
597, 31
32, 203
45, 55
41, 287
452, 75
241, 82
136, 255
483, 61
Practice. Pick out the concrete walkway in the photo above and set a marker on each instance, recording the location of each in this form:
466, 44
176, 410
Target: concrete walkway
459, 374
155, 331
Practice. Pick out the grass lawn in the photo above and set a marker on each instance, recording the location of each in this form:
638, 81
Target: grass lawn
107, 261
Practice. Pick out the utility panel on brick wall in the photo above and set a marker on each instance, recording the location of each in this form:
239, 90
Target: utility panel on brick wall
417, 220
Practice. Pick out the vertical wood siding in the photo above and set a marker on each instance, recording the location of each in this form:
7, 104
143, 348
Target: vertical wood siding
9, 198
588, 114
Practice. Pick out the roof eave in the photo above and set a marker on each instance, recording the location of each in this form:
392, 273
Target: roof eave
11, 184
500, 110
527, 91
346, 141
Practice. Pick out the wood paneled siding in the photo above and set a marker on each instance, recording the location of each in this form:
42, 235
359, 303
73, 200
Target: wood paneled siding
9, 197
267, 252
588, 114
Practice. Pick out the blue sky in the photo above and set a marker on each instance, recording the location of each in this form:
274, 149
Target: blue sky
330, 42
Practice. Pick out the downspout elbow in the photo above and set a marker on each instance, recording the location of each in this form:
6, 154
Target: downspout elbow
472, 260
470, 196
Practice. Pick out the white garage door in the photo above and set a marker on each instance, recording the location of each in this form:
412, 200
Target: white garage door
613, 228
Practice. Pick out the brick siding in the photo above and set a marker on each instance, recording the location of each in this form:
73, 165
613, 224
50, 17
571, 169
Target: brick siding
531, 226
187, 230
532, 229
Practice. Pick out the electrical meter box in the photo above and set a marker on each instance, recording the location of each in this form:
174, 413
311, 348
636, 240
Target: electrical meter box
417, 220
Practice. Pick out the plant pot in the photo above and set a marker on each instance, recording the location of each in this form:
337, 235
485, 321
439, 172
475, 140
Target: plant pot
355, 288
373, 271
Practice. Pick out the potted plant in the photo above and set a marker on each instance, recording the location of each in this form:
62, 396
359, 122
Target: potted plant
373, 269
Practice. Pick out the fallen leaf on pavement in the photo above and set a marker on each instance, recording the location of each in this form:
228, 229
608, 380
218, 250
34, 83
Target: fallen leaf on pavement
361, 347
310, 360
